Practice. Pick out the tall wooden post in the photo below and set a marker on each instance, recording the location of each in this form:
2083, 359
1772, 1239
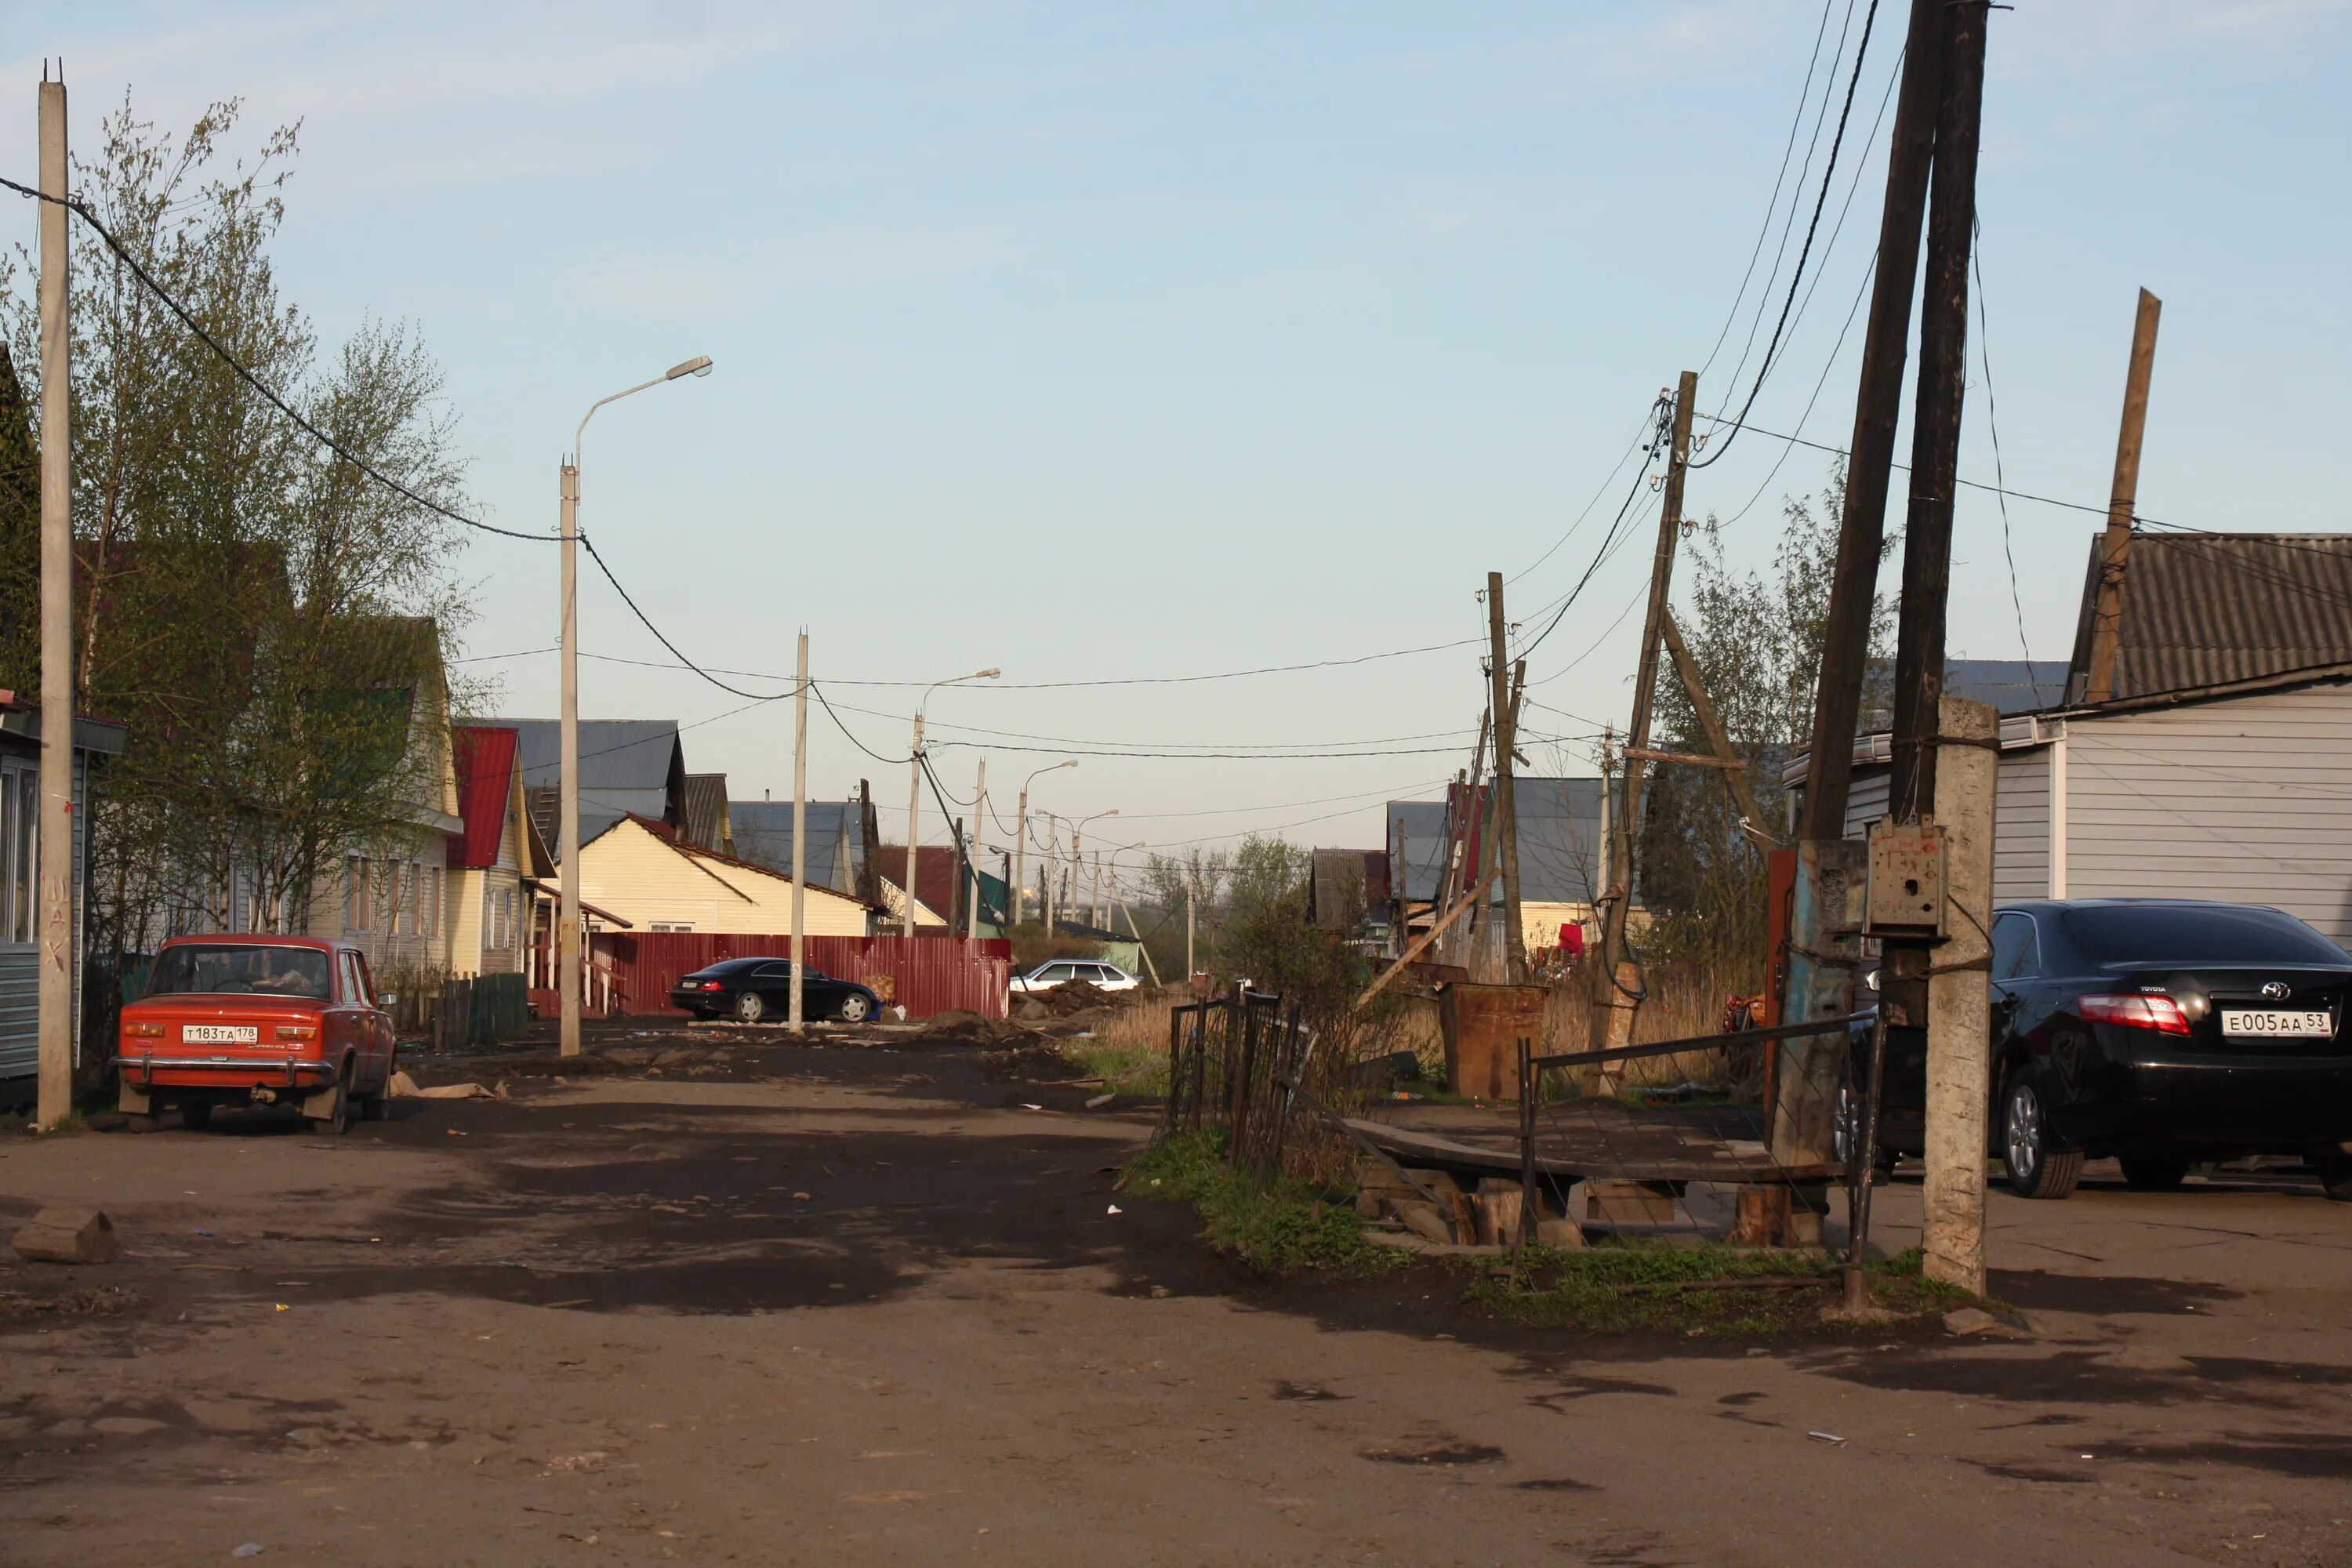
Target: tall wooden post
59, 945
1621, 999
1507, 821
1878, 407
2115, 545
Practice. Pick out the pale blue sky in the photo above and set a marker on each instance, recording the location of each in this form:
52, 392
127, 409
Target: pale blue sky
1121, 341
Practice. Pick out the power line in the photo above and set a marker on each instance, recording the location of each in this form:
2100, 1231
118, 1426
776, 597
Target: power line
706, 671
1861, 52
1992, 424
1639, 441
189, 321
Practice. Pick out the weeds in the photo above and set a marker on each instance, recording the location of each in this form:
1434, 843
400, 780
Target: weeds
1275, 1225
1627, 1284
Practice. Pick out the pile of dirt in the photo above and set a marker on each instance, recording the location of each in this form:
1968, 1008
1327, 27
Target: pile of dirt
1076, 996
1035, 1063
962, 1027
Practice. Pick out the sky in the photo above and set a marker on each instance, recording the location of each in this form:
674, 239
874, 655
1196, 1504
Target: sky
1122, 343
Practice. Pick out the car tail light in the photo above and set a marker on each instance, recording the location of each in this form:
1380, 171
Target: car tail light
712, 985
298, 1031
143, 1031
2160, 1013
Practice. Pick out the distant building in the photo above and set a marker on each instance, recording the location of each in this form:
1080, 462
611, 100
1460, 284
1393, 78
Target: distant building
836, 847
627, 767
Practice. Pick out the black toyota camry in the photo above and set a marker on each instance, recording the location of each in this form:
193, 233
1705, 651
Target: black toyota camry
757, 989
2162, 1032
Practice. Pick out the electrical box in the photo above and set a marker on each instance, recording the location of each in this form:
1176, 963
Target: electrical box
1903, 895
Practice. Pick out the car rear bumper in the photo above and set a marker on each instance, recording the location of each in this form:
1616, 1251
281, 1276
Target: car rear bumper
2217, 1105
206, 1072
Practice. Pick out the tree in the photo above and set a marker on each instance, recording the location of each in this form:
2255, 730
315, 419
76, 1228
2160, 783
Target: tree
1758, 644
261, 615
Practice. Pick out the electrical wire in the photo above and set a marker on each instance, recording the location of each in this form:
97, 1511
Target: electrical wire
1992, 424
1772, 349
1639, 439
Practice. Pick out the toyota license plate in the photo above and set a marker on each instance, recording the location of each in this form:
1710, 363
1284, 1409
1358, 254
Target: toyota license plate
219, 1033
2277, 1023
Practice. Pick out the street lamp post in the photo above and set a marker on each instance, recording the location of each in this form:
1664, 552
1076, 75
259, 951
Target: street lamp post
1079, 859
915, 785
569, 975
1020, 843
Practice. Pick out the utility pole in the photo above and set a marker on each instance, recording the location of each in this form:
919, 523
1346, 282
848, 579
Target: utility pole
914, 806
1936, 419
59, 941
1052, 868
1623, 974
1718, 739
979, 796
1878, 407
1192, 881
1959, 1009
568, 976
796, 1016
2115, 545
1507, 825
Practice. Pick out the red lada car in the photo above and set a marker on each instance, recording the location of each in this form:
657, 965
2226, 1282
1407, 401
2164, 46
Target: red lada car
258, 1020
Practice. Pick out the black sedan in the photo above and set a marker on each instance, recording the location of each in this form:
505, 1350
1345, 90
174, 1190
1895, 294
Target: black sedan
2161, 1032
757, 989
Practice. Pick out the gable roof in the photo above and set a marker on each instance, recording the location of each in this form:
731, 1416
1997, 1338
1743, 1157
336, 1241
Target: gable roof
714, 861
703, 814
484, 756
2209, 609
626, 766
764, 835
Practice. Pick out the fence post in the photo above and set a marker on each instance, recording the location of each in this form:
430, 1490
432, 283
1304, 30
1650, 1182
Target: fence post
1530, 1208
1866, 1162
1199, 1061
1238, 1097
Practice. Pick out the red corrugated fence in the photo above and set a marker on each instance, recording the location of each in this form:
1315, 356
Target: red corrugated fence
632, 971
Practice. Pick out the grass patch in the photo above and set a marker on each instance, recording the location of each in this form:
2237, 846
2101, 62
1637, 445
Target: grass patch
1123, 1069
1637, 1284
1274, 1223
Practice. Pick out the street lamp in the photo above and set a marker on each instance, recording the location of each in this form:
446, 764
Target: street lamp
1020, 843
568, 974
1079, 859
915, 782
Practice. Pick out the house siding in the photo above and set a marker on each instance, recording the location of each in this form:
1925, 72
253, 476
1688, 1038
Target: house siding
2020, 809
2248, 800
20, 979
647, 882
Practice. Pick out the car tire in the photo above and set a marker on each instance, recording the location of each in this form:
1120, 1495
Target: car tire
196, 1115
338, 1119
2152, 1176
750, 1008
2336, 1176
2035, 1169
855, 1009
377, 1106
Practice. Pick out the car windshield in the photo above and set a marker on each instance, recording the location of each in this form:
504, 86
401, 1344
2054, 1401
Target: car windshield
231, 969
2202, 933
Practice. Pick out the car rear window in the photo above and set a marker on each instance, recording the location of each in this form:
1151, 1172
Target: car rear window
2206, 933
234, 969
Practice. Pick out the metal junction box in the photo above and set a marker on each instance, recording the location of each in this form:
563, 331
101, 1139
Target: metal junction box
1905, 892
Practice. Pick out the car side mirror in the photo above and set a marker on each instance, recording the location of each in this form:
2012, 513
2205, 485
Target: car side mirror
386, 998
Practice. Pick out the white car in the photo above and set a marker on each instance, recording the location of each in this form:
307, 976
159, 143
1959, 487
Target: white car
1062, 971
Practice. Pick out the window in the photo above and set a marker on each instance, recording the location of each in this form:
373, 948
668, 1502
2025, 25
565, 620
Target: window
354, 980
2016, 954
2196, 933
358, 896
20, 848
239, 969
672, 925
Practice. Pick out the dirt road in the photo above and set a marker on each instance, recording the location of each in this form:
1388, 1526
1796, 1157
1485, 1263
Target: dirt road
842, 1306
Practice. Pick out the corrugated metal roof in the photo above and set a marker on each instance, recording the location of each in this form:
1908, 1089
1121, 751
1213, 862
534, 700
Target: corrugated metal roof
702, 812
484, 757
763, 834
2199, 609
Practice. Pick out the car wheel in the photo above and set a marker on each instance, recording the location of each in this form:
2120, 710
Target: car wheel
750, 1008
196, 1115
2036, 1169
2154, 1175
377, 1106
338, 1119
856, 1008
2336, 1176
1845, 1136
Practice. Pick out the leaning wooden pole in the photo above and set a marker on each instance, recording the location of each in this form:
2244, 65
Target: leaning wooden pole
2114, 544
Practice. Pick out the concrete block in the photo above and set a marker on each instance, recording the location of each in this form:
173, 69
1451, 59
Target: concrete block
68, 1235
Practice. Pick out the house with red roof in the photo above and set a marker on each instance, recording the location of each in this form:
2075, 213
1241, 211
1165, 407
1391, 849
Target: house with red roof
495, 863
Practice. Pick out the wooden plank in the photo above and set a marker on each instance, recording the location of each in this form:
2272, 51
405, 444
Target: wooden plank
1420, 943
1428, 1149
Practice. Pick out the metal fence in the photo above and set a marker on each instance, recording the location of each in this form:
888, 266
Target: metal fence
632, 972
1234, 1062
477, 1011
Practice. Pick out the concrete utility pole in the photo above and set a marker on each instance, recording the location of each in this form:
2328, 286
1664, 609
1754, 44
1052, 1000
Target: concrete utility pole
797, 1016
1506, 820
570, 978
1878, 407
915, 792
1050, 873
1079, 859
2115, 545
1959, 1006
1624, 977
59, 941
1192, 881
1935, 417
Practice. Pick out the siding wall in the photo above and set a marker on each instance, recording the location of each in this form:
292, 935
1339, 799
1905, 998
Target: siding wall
1865, 800
2248, 800
20, 978
2020, 854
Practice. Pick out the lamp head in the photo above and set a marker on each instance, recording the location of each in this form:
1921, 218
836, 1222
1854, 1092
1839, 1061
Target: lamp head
989, 674
698, 365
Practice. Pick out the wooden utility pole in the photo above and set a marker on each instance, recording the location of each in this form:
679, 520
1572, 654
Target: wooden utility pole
978, 795
2115, 545
1506, 821
1626, 976
1878, 407
59, 945
1718, 739
1935, 418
